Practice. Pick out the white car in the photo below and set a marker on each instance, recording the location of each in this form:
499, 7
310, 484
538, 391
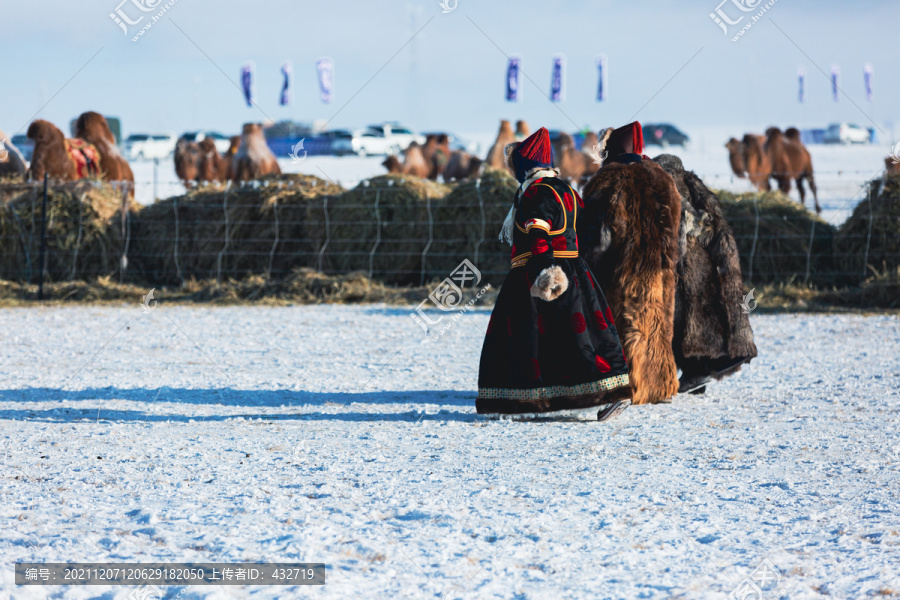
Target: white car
846, 133
398, 137
362, 143
223, 143
147, 146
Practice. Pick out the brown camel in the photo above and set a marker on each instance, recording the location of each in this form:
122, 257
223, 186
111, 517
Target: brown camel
522, 130
226, 166
790, 161
210, 166
187, 161
461, 165
11, 160
736, 158
436, 152
757, 161
413, 162
574, 166
54, 155
93, 129
496, 157
254, 158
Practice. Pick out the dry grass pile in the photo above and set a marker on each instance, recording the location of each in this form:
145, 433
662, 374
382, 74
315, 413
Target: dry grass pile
84, 230
786, 233
874, 224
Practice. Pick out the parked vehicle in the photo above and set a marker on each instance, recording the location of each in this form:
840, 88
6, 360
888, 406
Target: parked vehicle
846, 133
146, 146
664, 135
362, 142
398, 137
25, 146
222, 142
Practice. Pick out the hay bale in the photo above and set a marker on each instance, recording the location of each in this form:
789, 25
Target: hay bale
398, 231
786, 233
881, 210
84, 231
253, 217
461, 232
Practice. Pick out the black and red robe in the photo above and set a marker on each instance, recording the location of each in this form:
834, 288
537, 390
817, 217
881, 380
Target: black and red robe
541, 356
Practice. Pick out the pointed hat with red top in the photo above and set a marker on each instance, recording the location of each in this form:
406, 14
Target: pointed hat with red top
533, 152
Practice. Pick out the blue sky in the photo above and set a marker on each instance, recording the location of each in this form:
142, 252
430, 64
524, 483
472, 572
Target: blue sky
451, 75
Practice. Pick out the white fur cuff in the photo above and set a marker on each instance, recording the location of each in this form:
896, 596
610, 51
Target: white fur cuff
550, 284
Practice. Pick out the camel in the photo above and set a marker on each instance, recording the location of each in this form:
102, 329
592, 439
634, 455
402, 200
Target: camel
58, 157
187, 161
413, 162
11, 160
436, 152
756, 161
790, 161
461, 165
522, 130
210, 166
574, 165
226, 165
254, 158
736, 158
93, 129
496, 158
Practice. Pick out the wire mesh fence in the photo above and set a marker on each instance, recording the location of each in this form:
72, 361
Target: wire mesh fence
398, 230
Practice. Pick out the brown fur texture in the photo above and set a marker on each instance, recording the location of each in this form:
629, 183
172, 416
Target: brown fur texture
254, 158
550, 284
890, 167
227, 165
436, 154
50, 156
187, 161
628, 234
790, 161
11, 160
709, 322
414, 162
496, 158
461, 165
93, 128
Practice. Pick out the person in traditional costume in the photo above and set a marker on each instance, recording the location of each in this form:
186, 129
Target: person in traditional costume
551, 344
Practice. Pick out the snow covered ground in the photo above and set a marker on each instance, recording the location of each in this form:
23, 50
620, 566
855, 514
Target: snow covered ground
343, 435
841, 171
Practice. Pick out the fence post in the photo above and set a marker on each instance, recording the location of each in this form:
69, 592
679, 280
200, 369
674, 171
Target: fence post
155, 179
225, 247
327, 233
812, 238
868, 238
126, 232
43, 239
175, 249
430, 238
78, 238
483, 218
377, 234
755, 238
274, 243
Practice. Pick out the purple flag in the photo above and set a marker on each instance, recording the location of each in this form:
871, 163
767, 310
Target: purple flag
512, 80
801, 85
325, 69
867, 76
558, 79
835, 82
286, 84
247, 82
601, 73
